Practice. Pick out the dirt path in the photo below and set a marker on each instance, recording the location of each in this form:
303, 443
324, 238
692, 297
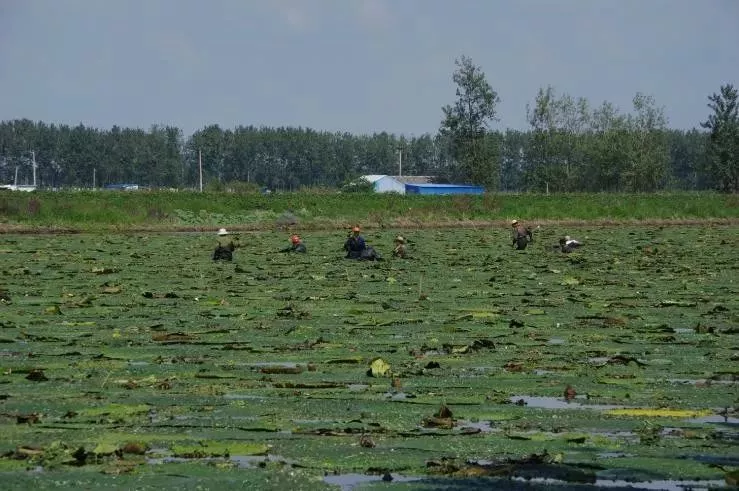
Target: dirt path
400, 223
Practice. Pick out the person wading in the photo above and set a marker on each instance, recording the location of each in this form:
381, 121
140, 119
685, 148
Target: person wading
296, 245
227, 244
401, 248
521, 235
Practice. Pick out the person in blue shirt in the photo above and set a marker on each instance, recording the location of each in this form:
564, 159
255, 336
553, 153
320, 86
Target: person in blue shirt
354, 245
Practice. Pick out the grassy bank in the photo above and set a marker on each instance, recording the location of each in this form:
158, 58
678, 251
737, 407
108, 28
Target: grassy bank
101, 210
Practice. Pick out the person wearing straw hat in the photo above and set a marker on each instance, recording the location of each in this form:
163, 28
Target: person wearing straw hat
354, 244
226, 245
521, 235
357, 248
401, 247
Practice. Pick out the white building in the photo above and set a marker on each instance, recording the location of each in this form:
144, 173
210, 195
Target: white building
394, 184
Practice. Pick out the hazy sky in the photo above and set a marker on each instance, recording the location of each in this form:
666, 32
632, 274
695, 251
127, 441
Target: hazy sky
352, 65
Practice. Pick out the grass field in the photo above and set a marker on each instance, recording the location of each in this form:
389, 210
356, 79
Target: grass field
132, 360
188, 211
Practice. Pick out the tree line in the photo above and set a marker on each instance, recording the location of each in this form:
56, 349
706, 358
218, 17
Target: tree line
570, 145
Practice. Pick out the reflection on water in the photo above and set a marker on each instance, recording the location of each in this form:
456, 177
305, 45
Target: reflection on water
558, 403
660, 485
347, 482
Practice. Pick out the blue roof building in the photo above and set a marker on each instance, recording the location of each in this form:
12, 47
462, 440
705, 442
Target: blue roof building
443, 189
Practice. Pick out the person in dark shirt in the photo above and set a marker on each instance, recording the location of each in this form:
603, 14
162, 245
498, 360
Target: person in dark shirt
355, 245
296, 245
226, 245
567, 244
356, 248
521, 235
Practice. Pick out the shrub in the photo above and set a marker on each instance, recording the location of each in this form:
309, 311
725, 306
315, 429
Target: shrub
358, 186
34, 207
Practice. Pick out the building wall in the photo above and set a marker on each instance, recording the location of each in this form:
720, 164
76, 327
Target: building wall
387, 184
439, 189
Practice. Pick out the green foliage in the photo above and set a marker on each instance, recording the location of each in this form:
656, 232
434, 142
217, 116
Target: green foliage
465, 126
167, 210
241, 187
723, 156
571, 147
358, 186
575, 148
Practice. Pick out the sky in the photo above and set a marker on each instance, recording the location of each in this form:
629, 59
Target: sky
360, 66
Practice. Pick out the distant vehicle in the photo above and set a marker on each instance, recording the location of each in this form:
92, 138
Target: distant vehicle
122, 187
18, 187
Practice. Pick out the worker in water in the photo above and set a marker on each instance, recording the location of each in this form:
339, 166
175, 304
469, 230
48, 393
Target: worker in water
296, 245
521, 235
354, 244
568, 244
356, 248
401, 247
226, 245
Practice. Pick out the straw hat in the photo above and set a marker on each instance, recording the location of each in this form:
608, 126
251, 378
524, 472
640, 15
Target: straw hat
400, 239
223, 231
514, 222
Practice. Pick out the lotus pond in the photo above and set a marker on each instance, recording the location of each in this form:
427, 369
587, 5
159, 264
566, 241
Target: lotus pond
136, 361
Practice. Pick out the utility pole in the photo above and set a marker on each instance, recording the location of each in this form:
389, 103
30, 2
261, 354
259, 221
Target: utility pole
93, 178
200, 168
400, 161
33, 161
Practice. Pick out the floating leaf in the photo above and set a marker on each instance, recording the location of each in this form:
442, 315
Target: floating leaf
677, 303
105, 449
172, 336
345, 361
53, 310
36, 375
219, 449
379, 368
280, 369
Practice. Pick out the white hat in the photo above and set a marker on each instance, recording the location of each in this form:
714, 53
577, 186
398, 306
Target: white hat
514, 222
222, 231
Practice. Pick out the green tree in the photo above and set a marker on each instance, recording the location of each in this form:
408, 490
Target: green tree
723, 149
465, 126
554, 160
649, 152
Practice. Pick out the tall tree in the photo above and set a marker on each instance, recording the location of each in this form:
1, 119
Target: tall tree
557, 124
723, 149
465, 126
649, 151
